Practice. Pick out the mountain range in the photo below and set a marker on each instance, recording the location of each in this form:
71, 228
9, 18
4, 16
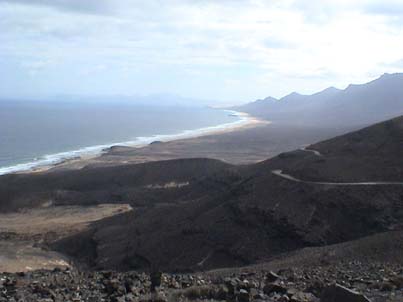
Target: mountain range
354, 107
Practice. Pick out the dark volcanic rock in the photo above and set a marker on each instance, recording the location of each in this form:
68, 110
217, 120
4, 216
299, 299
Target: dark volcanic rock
398, 281
212, 286
243, 296
271, 277
338, 293
274, 288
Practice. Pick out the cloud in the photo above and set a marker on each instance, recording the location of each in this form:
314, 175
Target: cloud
393, 67
80, 6
386, 7
196, 47
273, 43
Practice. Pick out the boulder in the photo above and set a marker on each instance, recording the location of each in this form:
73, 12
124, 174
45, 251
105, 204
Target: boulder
274, 288
303, 297
338, 293
243, 296
284, 298
398, 281
155, 278
271, 277
221, 293
316, 287
114, 287
231, 285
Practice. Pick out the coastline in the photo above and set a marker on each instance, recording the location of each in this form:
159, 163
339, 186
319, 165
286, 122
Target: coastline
82, 156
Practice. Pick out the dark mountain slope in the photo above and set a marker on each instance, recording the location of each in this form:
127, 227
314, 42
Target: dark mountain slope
136, 184
199, 214
370, 154
374, 249
254, 221
257, 215
356, 106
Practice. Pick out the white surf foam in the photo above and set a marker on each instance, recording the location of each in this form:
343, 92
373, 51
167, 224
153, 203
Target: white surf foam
57, 158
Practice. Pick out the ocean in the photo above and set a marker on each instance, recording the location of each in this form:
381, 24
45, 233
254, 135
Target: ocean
42, 133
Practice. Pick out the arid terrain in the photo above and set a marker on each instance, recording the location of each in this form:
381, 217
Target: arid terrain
351, 271
328, 212
26, 232
201, 151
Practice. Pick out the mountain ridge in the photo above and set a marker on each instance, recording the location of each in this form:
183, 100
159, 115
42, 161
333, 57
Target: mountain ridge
356, 106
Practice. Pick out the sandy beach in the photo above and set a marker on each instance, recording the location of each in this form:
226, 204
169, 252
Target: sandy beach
246, 142
126, 153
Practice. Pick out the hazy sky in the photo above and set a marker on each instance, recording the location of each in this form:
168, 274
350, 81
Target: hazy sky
230, 51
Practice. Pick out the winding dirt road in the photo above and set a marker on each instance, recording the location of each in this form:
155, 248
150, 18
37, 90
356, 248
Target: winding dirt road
368, 183
317, 153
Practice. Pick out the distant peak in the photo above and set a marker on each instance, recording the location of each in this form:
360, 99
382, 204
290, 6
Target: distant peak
386, 77
265, 100
292, 95
350, 86
386, 74
332, 88
390, 75
329, 90
270, 99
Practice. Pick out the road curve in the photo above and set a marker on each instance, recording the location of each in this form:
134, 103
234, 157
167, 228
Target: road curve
317, 153
369, 183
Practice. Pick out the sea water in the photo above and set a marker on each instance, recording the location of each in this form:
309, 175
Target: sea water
41, 133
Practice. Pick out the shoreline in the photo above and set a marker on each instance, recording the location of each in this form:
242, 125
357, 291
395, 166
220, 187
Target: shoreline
85, 154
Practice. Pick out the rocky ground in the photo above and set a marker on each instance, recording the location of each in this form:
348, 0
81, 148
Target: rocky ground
342, 282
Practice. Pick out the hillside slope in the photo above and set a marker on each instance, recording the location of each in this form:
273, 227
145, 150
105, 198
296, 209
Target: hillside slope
370, 154
114, 184
257, 215
197, 214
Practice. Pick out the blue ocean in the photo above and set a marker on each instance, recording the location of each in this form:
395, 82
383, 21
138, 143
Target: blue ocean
39, 133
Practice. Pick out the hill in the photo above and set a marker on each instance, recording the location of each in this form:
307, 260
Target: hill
97, 185
370, 154
258, 215
199, 214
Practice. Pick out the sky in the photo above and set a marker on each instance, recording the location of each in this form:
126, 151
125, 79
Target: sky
228, 52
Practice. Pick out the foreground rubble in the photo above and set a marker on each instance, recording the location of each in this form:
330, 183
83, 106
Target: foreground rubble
344, 282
